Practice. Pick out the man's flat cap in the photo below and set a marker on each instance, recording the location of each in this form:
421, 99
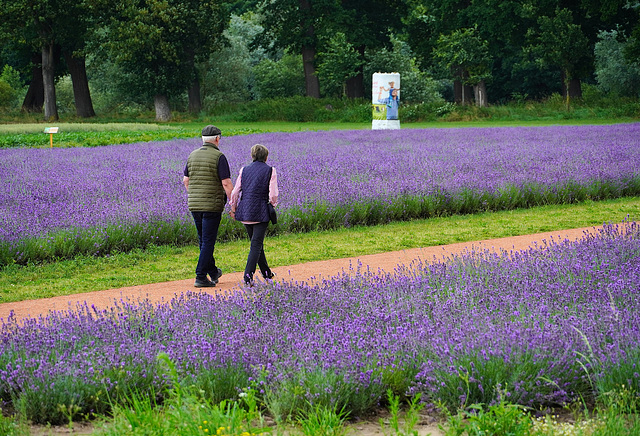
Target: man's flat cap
211, 130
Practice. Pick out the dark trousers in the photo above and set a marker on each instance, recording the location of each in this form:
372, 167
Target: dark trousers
256, 233
207, 224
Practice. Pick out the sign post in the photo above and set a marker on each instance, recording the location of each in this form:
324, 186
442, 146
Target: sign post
385, 100
51, 131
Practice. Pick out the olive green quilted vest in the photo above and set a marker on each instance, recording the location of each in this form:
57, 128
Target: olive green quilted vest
205, 188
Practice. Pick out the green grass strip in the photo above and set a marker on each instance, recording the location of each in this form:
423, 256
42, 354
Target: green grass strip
166, 263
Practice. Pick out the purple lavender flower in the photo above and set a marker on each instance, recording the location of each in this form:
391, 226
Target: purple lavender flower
535, 326
336, 178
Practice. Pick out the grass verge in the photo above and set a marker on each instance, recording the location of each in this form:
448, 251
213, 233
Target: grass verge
101, 133
166, 263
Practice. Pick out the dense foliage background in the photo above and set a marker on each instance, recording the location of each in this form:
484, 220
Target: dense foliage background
97, 57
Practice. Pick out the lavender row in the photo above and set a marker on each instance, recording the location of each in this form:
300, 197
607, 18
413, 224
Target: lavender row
57, 201
541, 327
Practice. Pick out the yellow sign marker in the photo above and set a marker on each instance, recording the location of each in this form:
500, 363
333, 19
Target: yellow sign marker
51, 131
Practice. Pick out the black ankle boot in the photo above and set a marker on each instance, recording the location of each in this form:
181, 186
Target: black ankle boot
268, 275
248, 280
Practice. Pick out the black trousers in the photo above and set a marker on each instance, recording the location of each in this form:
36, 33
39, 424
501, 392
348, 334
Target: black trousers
256, 256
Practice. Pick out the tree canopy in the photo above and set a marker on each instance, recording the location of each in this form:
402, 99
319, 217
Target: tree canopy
161, 50
157, 42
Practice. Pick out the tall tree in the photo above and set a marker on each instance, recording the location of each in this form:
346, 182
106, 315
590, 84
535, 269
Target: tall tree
53, 27
561, 43
338, 64
157, 43
615, 74
204, 36
302, 26
28, 62
76, 64
502, 23
293, 25
367, 25
36, 18
73, 41
466, 55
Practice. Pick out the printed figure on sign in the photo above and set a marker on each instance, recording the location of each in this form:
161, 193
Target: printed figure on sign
392, 102
391, 88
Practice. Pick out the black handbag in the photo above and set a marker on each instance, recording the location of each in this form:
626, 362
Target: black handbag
273, 217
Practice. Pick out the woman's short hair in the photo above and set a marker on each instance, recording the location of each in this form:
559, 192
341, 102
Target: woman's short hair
259, 152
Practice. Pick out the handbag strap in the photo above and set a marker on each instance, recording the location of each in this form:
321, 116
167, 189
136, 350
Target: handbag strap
270, 173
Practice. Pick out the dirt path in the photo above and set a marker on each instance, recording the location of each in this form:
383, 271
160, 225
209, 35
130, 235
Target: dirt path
308, 272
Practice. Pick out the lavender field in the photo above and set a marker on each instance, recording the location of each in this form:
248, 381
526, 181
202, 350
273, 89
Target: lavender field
539, 327
56, 203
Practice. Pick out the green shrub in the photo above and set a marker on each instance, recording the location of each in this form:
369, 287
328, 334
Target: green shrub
280, 79
10, 86
7, 94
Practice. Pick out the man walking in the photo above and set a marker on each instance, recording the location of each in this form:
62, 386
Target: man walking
207, 179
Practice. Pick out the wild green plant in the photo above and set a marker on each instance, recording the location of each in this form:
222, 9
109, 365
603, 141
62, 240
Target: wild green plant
280, 401
218, 384
621, 400
612, 423
69, 411
184, 412
8, 426
321, 420
412, 416
498, 419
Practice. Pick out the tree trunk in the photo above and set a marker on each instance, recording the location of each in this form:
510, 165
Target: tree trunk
355, 86
48, 83
195, 102
457, 92
571, 89
462, 93
468, 94
34, 100
480, 93
565, 90
81, 94
575, 88
163, 111
312, 84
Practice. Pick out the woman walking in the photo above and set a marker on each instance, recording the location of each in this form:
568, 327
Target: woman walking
257, 185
